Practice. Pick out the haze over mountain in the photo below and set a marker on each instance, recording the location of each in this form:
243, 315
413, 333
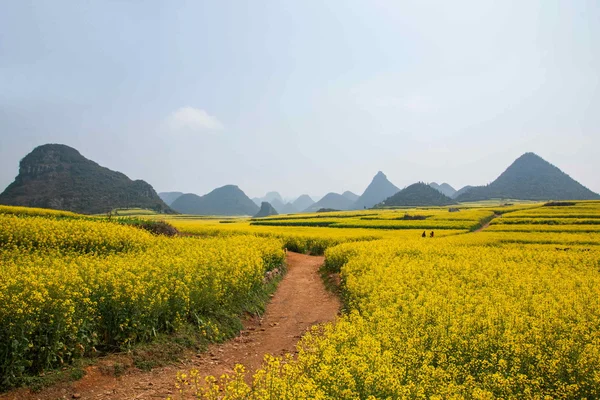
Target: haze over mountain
266, 210
334, 201
378, 190
169, 197
59, 177
417, 194
270, 197
303, 202
444, 188
530, 177
226, 200
289, 208
350, 196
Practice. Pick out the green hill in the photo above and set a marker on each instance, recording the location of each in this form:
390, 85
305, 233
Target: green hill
378, 190
530, 177
462, 190
226, 200
266, 210
415, 195
59, 177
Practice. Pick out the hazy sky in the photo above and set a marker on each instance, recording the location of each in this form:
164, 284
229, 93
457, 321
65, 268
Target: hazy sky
303, 96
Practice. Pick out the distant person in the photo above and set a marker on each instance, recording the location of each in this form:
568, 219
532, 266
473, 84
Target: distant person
424, 234
431, 234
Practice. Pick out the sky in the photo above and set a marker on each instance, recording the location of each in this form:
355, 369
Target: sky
303, 96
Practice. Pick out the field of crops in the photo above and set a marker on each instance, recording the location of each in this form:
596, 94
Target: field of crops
511, 311
71, 287
483, 315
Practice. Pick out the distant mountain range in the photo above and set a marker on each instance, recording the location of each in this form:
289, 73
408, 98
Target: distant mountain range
276, 201
266, 210
303, 202
417, 194
59, 177
461, 191
350, 196
334, 201
169, 197
530, 177
226, 200
444, 188
378, 190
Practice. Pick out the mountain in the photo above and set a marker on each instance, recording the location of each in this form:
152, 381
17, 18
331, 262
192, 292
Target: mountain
169, 197
266, 209
350, 196
288, 208
303, 202
273, 198
226, 200
333, 201
277, 204
444, 188
530, 177
59, 177
378, 190
461, 191
417, 194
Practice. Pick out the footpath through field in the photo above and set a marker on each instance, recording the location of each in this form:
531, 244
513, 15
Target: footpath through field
482, 227
300, 302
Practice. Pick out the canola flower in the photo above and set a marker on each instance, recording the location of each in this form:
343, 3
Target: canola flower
71, 287
483, 315
493, 314
39, 212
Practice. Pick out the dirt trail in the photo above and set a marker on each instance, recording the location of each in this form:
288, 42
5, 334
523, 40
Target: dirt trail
487, 223
300, 301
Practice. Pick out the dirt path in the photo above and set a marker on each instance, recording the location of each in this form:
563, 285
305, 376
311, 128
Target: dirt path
300, 301
487, 223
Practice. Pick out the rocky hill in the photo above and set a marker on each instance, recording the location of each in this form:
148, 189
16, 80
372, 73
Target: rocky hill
378, 190
530, 177
266, 210
59, 177
226, 200
416, 195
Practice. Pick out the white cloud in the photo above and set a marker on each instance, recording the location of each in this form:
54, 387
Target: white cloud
193, 120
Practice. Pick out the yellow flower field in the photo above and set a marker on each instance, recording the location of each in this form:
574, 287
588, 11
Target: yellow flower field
72, 287
512, 311
470, 316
